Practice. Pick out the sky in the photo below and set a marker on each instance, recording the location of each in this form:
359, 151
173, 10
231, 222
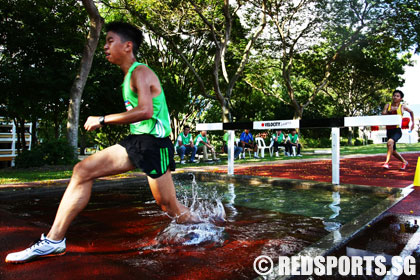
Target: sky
411, 87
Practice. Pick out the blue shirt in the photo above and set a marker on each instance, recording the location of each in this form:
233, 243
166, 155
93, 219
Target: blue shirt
246, 138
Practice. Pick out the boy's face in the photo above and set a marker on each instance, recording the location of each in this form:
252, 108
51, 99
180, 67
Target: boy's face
114, 48
396, 97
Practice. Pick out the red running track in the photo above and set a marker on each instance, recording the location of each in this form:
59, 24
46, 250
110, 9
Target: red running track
100, 260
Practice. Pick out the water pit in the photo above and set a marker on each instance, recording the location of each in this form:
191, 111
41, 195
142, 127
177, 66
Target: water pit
123, 231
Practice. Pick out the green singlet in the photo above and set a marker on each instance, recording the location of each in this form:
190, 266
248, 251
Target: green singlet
280, 137
159, 125
293, 138
198, 140
186, 139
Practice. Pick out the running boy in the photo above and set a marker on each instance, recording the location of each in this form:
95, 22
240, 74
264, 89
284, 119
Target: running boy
393, 132
148, 147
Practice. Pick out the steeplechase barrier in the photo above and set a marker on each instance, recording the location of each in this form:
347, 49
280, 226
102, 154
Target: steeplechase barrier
334, 123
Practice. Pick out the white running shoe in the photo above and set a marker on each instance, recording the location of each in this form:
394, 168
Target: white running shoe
41, 248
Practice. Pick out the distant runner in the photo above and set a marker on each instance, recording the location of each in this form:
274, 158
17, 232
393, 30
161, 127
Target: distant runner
393, 132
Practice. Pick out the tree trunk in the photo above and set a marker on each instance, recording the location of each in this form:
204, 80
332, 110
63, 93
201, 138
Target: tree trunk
22, 134
95, 26
34, 138
350, 137
18, 142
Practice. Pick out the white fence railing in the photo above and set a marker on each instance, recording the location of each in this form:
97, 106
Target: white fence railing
8, 138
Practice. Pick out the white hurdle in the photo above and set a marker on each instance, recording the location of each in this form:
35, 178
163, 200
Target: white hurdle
291, 124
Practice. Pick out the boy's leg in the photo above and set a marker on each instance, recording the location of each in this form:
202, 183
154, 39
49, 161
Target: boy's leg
213, 153
398, 156
390, 146
205, 155
193, 152
289, 148
255, 146
163, 191
181, 152
276, 146
238, 151
110, 161
187, 150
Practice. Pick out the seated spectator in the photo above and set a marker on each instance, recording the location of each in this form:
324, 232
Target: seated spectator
185, 145
293, 141
202, 144
280, 140
237, 150
247, 141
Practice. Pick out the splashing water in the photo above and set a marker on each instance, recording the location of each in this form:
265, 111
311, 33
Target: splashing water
206, 204
181, 234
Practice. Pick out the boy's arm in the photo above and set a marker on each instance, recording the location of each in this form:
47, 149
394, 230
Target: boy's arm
191, 141
385, 110
405, 108
179, 139
145, 83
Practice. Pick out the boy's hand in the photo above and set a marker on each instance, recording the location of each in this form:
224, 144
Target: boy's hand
92, 123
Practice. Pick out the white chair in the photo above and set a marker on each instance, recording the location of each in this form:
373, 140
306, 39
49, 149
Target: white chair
293, 151
244, 152
242, 155
271, 148
261, 146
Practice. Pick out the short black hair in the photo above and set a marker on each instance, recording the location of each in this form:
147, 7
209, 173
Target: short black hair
127, 32
187, 127
398, 91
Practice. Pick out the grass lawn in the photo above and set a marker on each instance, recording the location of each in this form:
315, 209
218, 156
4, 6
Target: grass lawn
14, 175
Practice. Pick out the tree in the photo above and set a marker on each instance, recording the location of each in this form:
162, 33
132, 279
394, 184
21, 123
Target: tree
299, 27
95, 27
206, 27
363, 77
36, 58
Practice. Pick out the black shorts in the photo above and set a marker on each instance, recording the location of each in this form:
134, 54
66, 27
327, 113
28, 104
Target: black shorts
394, 134
152, 155
248, 145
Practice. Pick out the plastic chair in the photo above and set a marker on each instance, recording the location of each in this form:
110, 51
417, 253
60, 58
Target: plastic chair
242, 155
293, 151
261, 146
271, 148
244, 152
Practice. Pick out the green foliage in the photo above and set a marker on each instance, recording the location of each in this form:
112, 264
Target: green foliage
51, 152
355, 142
323, 142
344, 142
111, 135
358, 142
40, 44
